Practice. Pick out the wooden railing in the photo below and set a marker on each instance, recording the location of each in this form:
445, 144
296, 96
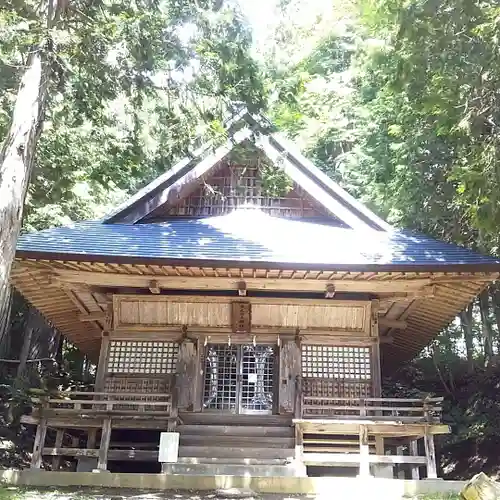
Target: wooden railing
381, 409
105, 403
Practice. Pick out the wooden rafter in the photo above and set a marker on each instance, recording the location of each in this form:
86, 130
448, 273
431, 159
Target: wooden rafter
415, 286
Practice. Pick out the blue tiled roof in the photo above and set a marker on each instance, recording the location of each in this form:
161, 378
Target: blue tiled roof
248, 236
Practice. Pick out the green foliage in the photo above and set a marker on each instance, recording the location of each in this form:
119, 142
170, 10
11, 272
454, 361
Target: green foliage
133, 84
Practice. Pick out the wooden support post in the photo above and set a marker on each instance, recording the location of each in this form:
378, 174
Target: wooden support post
379, 445
430, 454
198, 380
415, 471
299, 444
364, 452
100, 377
399, 453
91, 438
102, 462
41, 432
56, 461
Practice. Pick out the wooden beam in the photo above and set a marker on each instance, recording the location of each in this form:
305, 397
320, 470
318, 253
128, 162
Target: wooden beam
392, 323
339, 459
154, 287
209, 283
93, 316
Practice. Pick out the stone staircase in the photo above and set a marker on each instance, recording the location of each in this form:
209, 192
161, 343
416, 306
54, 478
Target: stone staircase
217, 444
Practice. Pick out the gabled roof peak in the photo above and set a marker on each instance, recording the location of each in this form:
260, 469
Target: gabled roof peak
177, 182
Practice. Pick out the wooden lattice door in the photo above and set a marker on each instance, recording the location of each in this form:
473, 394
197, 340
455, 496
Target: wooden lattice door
336, 371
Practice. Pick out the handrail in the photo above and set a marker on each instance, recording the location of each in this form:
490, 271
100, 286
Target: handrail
399, 409
96, 403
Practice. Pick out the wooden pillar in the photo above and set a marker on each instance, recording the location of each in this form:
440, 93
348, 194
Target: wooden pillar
430, 454
364, 452
91, 438
198, 381
376, 369
100, 377
289, 370
299, 444
415, 470
41, 432
56, 461
186, 375
102, 462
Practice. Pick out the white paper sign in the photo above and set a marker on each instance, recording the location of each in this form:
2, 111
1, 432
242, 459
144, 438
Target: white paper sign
252, 378
169, 447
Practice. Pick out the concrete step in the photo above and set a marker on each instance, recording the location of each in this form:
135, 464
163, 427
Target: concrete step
234, 470
235, 430
237, 441
242, 452
231, 420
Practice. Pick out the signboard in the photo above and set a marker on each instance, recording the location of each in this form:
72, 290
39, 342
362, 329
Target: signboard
169, 447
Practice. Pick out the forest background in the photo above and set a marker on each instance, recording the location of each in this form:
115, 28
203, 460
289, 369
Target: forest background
398, 101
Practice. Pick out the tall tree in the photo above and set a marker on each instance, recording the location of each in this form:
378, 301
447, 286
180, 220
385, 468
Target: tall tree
121, 89
18, 149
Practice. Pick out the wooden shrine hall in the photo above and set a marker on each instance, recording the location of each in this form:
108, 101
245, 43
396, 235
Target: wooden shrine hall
241, 310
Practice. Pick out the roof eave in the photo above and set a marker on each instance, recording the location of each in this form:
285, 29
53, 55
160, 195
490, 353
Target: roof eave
485, 267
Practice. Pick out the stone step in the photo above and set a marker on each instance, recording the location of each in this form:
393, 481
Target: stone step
235, 430
237, 441
234, 470
233, 452
231, 420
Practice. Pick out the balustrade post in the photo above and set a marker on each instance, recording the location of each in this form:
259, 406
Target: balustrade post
41, 432
415, 471
364, 452
430, 453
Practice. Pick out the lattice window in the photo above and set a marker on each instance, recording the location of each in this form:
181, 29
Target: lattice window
336, 362
142, 357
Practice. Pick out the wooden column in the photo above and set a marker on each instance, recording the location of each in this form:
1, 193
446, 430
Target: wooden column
56, 461
100, 382
299, 444
289, 371
430, 454
415, 470
376, 368
198, 377
102, 462
41, 432
364, 452
100, 378
186, 375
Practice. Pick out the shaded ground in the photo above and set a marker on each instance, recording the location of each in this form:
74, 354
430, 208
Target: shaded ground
14, 493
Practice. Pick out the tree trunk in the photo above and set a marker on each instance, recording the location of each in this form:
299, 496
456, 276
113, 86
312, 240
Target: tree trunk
5, 326
466, 323
486, 327
16, 161
19, 147
495, 299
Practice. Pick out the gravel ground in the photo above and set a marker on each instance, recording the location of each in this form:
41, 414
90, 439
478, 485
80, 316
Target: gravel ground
12, 493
